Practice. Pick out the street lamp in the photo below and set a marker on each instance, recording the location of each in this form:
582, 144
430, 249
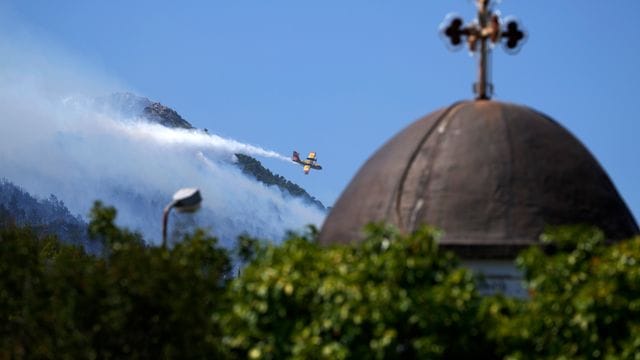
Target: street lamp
184, 200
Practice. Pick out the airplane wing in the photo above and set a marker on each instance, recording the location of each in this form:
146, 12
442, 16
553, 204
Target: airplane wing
306, 169
312, 156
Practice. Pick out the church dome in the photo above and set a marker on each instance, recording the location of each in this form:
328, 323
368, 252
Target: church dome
490, 175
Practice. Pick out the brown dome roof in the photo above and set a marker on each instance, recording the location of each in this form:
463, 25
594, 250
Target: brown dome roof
490, 175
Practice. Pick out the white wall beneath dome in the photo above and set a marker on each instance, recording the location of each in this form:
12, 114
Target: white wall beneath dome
498, 276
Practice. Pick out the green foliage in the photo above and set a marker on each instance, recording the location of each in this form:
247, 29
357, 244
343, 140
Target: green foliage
584, 300
393, 296
104, 229
397, 296
21, 290
135, 301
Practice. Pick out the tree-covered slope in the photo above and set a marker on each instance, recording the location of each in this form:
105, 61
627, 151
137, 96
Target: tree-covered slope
45, 216
254, 168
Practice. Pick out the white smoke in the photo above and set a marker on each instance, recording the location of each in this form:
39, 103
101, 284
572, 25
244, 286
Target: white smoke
52, 143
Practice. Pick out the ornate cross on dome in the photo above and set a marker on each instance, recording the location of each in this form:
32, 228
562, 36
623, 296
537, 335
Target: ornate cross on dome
487, 27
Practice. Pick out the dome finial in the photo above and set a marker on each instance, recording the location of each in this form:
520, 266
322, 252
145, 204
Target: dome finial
487, 26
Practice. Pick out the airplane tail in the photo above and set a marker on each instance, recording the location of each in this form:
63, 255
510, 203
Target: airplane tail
295, 157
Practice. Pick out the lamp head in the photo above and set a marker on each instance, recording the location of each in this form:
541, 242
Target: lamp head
187, 200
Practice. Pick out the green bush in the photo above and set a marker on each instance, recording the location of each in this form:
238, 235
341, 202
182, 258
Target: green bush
392, 296
135, 301
584, 300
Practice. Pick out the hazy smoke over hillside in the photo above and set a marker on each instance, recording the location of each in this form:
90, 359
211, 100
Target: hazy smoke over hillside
54, 140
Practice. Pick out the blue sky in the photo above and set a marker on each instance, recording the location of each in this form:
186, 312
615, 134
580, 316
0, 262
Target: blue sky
342, 77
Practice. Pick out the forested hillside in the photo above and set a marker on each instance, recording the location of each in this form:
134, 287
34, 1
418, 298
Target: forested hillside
254, 168
44, 216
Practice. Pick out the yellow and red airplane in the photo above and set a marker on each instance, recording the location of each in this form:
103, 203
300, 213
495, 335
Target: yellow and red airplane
308, 163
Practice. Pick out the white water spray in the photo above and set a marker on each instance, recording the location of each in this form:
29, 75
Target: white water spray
188, 138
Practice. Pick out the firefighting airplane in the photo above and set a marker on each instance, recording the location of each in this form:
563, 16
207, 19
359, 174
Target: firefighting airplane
308, 164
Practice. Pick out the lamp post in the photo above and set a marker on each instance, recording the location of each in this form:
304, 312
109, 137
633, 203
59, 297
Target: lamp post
184, 200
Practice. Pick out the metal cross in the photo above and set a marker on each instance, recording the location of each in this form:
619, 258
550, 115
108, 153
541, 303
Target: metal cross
487, 27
